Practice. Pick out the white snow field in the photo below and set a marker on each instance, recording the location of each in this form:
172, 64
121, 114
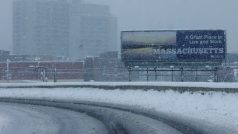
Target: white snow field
215, 108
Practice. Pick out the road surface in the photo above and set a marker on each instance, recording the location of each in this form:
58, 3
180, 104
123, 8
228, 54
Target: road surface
30, 119
55, 117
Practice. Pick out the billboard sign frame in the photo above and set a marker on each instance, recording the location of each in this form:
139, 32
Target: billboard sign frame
162, 47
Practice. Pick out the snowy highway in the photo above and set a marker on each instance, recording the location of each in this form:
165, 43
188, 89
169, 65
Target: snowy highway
119, 111
45, 117
29, 119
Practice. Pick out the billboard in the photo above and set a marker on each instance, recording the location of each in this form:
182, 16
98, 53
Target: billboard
173, 46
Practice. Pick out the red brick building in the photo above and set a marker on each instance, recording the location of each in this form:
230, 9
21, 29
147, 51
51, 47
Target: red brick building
33, 70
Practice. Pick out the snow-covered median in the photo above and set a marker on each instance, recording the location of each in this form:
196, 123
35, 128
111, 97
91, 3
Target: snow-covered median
217, 108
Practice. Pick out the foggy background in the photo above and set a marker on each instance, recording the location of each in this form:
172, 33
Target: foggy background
154, 15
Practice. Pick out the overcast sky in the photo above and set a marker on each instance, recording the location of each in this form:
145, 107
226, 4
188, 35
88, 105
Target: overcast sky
156, 15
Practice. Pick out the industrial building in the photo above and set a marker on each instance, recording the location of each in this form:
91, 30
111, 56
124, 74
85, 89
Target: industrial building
93, 30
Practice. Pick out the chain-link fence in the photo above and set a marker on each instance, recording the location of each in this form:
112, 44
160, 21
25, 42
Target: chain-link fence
172, 75
103, 72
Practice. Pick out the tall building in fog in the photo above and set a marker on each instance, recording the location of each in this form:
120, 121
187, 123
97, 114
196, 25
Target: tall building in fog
93, 28
68, 28
41, 27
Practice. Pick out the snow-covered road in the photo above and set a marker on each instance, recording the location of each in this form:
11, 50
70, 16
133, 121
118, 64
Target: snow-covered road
29, 119
48, 120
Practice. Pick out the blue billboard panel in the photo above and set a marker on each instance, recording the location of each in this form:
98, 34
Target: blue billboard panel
173, 46
201, 45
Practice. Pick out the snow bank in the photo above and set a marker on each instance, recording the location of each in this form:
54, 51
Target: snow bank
217, 108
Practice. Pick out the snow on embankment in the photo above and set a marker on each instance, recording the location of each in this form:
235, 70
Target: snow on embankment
209, 106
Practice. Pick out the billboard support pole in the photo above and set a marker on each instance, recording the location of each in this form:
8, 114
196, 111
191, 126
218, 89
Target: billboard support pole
196, 75
181, 69
215, 74
172, 72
